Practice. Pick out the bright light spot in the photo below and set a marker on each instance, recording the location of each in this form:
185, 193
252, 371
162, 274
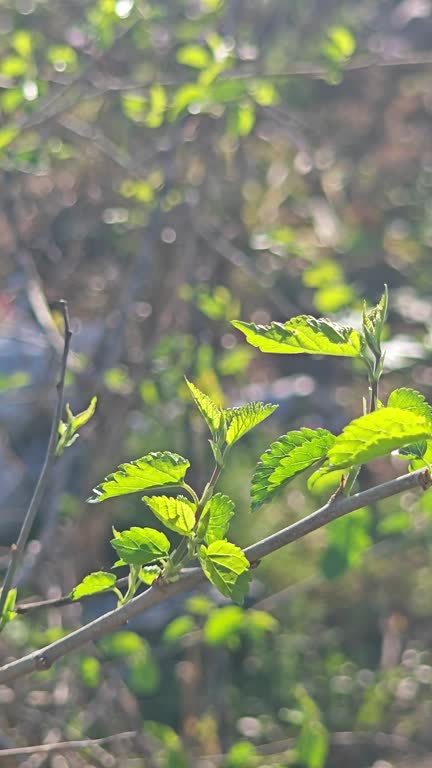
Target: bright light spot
30, 90
123, 8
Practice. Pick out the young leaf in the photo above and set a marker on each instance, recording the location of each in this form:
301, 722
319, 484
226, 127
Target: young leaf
215, 518
8, 613
303, 334
177, 514
373, 323
226, 567
94, 582
290, 455
410, 400
149, 573
140, 546
68, 431
151, 471
210, 412
377, 434
244, 418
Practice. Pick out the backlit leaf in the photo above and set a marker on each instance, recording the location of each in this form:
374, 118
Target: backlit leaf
303, 334
226, 566
177, 514
140, 546
215, 519
377, 434
210, 412
244, 418
93, 583
152, 471
410, 400
290, 455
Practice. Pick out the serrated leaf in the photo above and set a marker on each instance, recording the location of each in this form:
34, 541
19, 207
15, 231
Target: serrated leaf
210, 412
152, 471
373, 323
410, 400
140, 546
149, 573
99, 581
177, 514
290, 455
303, 334
244, 418
377, 434
412, 451
215, 518
226, 566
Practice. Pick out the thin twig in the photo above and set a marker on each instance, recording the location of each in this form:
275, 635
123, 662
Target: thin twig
17, 550
63, 746
45, 657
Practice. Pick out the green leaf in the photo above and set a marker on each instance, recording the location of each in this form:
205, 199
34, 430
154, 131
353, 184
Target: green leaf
224, 625
224, 564
177, 514
177, 628
290, 455
149, 573
193, 56
82, 418
410, 400
348, 539
7, 135
244, 418
211, 413
377, 434
413, 451
215, 518
373, 323
140, 546
99, 581
303, 334
152, 471
8, 613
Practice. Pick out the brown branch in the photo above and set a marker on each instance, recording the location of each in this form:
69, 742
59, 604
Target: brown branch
64, 746
17, 550
45, 657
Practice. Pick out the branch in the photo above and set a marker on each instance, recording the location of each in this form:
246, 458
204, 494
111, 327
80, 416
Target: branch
17, 550
63, 746
158, 593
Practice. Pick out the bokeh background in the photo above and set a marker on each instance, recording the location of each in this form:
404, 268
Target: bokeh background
167, 167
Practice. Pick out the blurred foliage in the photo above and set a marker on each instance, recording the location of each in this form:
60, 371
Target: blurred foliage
168, 167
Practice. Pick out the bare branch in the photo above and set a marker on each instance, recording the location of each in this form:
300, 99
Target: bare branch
45, 657
17, 550
64, 746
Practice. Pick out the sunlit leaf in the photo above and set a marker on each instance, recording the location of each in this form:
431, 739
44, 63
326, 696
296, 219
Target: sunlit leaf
290, 455
140, 546
244, 418
152, 471
177, 628
193, 56
224, 564
377, 434
410, 400
210, 412
215, 519
303, 334
176, 514
93, 583
149, 573
8, 613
